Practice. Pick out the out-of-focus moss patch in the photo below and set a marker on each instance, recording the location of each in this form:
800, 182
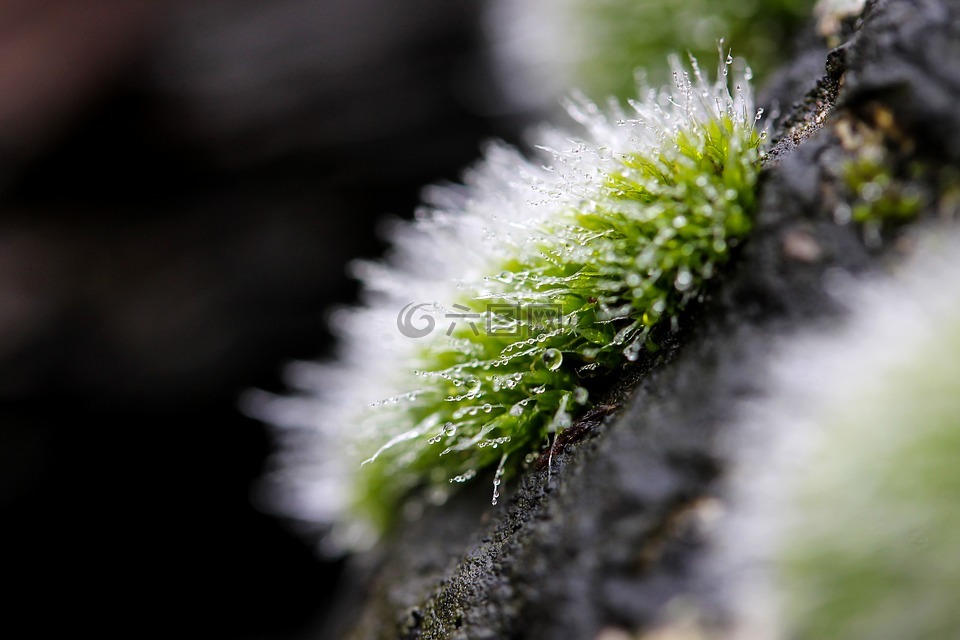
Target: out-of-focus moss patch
880, 182
873, 554
622, 35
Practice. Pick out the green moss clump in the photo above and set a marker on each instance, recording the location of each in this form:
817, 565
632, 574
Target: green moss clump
650, 229
880, 201
881, 182
872, 552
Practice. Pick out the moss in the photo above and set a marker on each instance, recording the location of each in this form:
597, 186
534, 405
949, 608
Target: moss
882, 183
610, 273
873, 551
880, 199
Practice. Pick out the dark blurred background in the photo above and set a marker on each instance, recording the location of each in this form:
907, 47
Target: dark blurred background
181, 186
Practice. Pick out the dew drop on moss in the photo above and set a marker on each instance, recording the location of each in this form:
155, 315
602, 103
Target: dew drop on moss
464, 477
552, 359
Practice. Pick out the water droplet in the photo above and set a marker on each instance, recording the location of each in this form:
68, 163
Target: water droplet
871, 191
729, 59
505, 276
487, 408
497, 478
580, 395
552, 359
516, 410
679, 222
842, 214
684, 280
467, 475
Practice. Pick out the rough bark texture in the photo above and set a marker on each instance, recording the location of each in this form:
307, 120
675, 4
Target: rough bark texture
619, 524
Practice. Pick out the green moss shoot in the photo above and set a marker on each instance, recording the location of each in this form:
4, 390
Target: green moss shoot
646, 231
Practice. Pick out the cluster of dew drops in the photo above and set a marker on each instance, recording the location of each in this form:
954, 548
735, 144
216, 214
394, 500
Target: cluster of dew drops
551, 358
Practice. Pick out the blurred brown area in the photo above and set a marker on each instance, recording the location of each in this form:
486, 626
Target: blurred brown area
181, 185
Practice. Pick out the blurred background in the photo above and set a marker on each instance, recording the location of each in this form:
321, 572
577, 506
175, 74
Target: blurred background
181, 187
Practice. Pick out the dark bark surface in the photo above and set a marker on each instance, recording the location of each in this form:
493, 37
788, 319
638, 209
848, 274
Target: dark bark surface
620, 524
